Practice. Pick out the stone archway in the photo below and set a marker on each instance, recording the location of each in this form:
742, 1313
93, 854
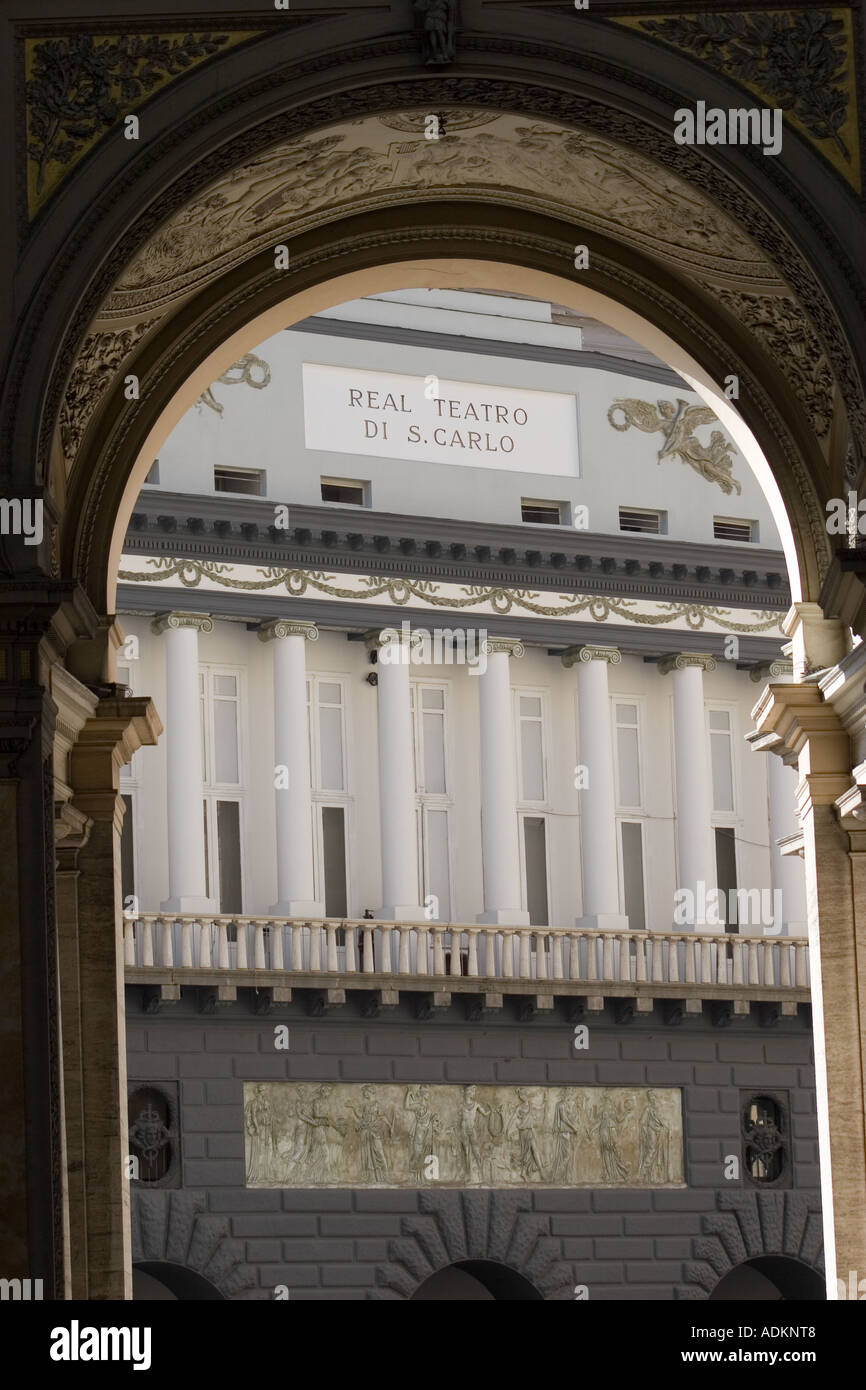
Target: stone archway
742, 274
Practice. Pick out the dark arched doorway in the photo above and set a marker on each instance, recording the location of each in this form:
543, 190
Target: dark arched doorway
158, 1280
772, 1278
475, 1281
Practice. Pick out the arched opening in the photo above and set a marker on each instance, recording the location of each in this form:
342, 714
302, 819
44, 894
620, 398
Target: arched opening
475, 1281
104, 512
160, 1280
770, 1278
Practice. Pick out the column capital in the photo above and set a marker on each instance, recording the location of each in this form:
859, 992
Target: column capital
511, 646
285, 627
590, 651
681, 661
202, 622
780, 669
377, 637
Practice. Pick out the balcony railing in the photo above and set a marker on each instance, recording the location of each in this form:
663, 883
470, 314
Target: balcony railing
451, 955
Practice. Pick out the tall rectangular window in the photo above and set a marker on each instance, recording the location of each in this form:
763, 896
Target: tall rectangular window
726, 874
222, 772
428, 704
329, 781
127, 851
721, 759
628, 755
334, 860
634, 902
535, 868
530, 720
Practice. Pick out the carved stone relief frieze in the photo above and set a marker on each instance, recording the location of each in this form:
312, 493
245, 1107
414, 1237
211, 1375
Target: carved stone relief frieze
79, 86
308, 1134
799, 60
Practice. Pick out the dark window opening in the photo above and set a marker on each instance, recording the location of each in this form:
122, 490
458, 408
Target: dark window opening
229, 852
343, 490
127, 852
334, 856
245, 480
151, 1136
541, 513
632, 874
535, 854
726, 876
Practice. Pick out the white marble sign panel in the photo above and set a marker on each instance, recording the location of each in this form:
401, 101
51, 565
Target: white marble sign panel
311, 1134
348, 410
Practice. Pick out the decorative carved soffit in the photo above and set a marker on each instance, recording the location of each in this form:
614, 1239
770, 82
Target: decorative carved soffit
437, 21
98, 363
249, 369
801, 61
788, 334
80, 86
678, 422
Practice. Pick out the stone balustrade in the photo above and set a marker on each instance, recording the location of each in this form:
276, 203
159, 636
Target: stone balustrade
436, 955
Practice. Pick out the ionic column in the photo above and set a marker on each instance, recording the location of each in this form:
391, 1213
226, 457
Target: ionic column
293, 804
696, 851
186, 863
597, 797
500, 851
399, 848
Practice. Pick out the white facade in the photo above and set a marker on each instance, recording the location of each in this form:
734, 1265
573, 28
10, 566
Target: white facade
563, 783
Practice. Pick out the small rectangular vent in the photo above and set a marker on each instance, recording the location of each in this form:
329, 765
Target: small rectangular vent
726, 529
635, 519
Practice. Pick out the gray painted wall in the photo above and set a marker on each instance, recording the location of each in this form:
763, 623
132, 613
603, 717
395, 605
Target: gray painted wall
622, 1244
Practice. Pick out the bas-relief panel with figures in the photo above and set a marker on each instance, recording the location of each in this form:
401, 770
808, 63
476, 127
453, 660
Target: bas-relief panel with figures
311, 1134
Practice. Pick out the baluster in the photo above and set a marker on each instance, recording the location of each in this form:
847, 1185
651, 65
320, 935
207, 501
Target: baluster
351, 953
801, 953
640, 958
754, 972
525, 960
490, 936
691, 943
769, 971
315, 947
785, 964
591, 967
738, 948
385, 931
624, 958
186, 946
422, 939
205, 945
128, 941
558, 969
259, 962
241, 924
456, 963
507, 955
657, 959
146, 941
721, 960
369, 952
222, 943
541, 955
403, 931
438, 952
331, 929
275, 935
473, 952
574, 940
297, 931
607, 956
674, 960
706, 960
